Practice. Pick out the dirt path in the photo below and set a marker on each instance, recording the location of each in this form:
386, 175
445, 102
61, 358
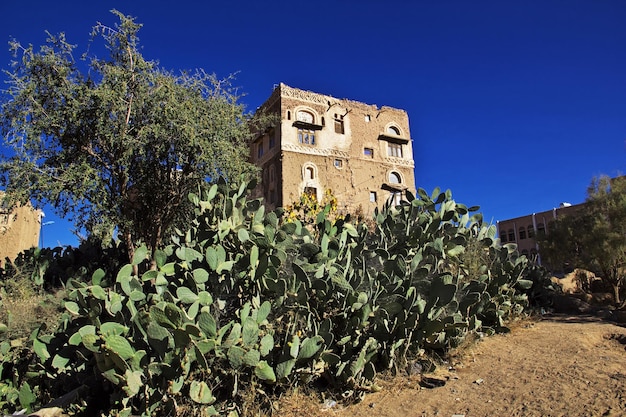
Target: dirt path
559, 366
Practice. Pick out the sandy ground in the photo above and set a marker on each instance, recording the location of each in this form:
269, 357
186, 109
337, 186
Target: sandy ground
558, 366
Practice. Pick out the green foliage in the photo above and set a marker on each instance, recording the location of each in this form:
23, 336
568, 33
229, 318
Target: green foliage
243, 301
593, 238
307, 208
120, 145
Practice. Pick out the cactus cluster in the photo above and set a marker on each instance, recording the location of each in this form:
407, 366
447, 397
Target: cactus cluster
242, 298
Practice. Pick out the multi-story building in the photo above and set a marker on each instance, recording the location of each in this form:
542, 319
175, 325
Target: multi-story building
19, 230
522, 230
362, 153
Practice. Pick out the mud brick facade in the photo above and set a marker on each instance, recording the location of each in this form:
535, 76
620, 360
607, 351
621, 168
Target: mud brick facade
361, 152
19, 230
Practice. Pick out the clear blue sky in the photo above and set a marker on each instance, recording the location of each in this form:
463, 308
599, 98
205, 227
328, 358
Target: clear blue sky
513, 105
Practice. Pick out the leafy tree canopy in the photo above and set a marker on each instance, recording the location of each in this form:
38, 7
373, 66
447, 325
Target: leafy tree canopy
120, 145
595, 237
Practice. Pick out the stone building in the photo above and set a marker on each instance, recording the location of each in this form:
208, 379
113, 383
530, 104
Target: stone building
19, 230
362, 153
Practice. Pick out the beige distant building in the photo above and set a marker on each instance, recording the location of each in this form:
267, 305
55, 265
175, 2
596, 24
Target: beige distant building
19, 230
522, 230
361, 152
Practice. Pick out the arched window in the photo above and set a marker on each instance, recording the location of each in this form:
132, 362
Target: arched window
531, 231
393, 130
541, 229
309, 173
394, 178
305, 116
503, 236
522, 233
511, 235
288, 115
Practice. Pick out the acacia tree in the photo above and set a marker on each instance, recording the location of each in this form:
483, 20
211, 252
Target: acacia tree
120, 144
595, 237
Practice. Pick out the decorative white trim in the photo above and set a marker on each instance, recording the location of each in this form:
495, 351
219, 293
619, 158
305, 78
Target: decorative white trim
313, 150
400, 161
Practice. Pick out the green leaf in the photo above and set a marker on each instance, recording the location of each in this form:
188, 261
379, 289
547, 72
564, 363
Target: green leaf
150, 275
192, 312
113, 328
243, 235
96, 277
250, 333
267, 344
284, 368
133, 382
186, 296
140, 255
72, 307
212, 192
204, 298
524, 284
160, 258
254, 255
207, 324
26, 396
200, 276
59, 362
225, 266
156, 331
310, 346
136, 295
125, 272
235, 356
212, 258
91, 342
174, 314
264, 372
294, 346
168, 269
119, 345
200, 393
233, 337
263, 312
252, 357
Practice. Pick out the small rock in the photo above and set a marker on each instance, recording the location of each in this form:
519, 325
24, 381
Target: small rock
328, 404
479, 381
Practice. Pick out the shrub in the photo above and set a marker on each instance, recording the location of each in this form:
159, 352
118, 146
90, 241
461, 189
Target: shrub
244, 301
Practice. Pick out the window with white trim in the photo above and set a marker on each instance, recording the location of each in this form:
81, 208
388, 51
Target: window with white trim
306, 136
394, 150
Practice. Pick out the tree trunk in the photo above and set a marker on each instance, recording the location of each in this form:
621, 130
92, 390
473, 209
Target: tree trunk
130, 248
616, 289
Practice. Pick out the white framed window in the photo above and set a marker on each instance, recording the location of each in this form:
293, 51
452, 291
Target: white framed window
338, 163
373, 197
393, 130
309, 171
394, 150
305, 116
306, 136
395, 178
